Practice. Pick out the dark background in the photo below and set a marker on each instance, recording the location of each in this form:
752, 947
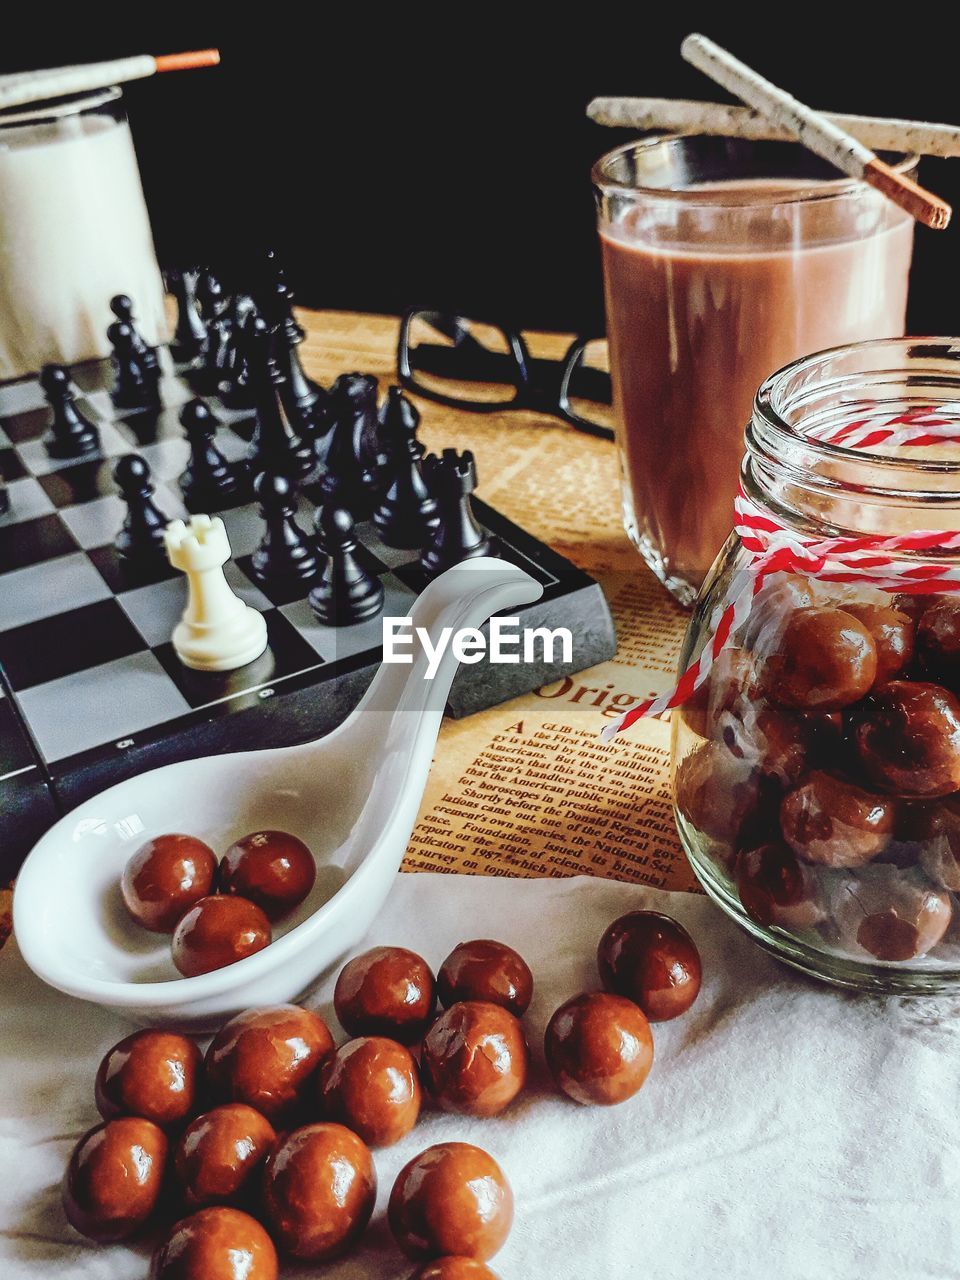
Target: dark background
444, 159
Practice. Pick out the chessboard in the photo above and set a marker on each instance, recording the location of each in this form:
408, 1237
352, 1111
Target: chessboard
91, 690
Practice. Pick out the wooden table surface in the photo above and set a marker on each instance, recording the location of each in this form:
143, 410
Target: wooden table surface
575, 481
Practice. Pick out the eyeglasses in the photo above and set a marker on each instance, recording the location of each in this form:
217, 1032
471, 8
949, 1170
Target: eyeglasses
486, 368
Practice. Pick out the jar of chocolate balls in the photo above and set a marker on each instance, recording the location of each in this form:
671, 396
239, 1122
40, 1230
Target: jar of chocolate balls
816, 729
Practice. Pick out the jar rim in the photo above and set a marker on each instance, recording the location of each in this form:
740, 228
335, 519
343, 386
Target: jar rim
58, 108
808, 190
770, 410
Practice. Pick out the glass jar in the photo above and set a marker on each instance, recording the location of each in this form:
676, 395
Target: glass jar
724, 259
816, 770
74, 232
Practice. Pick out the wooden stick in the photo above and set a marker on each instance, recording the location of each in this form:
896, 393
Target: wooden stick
25, 87
817, 134
676, 115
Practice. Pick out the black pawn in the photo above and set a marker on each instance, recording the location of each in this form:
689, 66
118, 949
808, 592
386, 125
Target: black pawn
71, 435
209, 483
190, 336
346, 593
407, 515
276, 447
136, 382
286, 557
140, 539
353, 476
122, 307
452, 478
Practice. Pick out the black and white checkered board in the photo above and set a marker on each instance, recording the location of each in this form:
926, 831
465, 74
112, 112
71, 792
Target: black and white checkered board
91, 690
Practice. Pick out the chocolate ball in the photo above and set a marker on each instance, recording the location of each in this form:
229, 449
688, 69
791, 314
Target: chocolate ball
776, 888
385, 992
650, 959
271, 868
890, 914
599, 1048
267, 1058
165, 877
474, 1058
486, 970
454, 1269
451, 1199
893, 633
771, 739
215, 1244
319, 1189
907, 738
717, 793
731, 681
219, 1156
218, 931
824, 660
781, 596
372, 1086
938, 638
936, 831
153, 1074
833, 823
113, 1181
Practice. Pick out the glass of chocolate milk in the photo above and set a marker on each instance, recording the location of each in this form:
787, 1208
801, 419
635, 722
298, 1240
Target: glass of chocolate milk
74, 231
724, 260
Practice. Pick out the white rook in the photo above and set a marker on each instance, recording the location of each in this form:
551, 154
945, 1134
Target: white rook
218, 631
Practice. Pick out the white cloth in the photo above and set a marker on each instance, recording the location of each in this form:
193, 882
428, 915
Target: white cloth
785, 1130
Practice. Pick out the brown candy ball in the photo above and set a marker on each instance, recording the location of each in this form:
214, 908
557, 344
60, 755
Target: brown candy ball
216, 1244
650, 959
113, 1181
717, 793
938, 638
907, 737
451, 1199
893, 633
776, 888
220, 1155
271, 868
936, 832
486, 970
372, 1086
599, 1048
165, 877
824, 659
891, 914
319, 1189
267, 1058
474, 1058
385, 992
731, 680
153, 1074
218, 931
454, 1269
836, 824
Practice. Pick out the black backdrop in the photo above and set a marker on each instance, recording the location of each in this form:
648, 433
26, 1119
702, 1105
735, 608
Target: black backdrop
444, 158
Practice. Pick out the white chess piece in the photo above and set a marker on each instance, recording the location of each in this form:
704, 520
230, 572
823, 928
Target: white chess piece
218, 631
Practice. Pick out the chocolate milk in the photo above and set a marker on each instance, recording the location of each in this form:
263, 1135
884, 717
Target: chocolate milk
693, 331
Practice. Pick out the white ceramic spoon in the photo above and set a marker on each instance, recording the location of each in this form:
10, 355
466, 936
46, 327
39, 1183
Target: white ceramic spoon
351, 796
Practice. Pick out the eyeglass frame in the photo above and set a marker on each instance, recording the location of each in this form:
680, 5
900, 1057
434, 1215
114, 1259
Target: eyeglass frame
528, 395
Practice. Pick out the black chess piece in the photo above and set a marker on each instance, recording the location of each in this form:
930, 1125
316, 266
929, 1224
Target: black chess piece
209, 482
399, 424
407, 514
229, 368
71, 435
346, 592
353, 462
451, 479
4, 497
122, 307
190, 336
214, 314
286, 557
276, 447
140, 539
136, 381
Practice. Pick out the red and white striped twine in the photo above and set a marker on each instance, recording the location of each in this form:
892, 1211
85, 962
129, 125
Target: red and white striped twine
774, 548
